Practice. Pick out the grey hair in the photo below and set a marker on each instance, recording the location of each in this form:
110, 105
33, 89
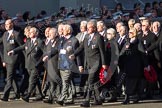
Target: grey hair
158, 23
132, 20
84, 23
35, 30
112, 31
54, 29
101, 23
68, 27
93, 22
121, 23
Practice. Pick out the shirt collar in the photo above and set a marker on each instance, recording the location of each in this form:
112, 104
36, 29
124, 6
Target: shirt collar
67, 37
91, 35
33, 39
102, 33
84, 32
10, 32
122, 36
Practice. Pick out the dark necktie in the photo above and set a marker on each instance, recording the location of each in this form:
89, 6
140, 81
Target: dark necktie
8, 36
32, 43
46, 41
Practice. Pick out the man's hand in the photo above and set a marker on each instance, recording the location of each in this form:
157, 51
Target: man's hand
45, 58
4, 64
127, 46
147, 68
10, 53
81, 69
104, 66
109, 74
72, 57
159, 64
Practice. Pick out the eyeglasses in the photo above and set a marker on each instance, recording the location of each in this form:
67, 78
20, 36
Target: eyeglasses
143, 25
130, 32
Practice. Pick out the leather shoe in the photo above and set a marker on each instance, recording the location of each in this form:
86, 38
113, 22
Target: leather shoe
26, 99
60, 103
85, 104
112, 100
16, 97
125, 102
136, 101
97, 103
68, 102
4, 100
39, 98
48, 101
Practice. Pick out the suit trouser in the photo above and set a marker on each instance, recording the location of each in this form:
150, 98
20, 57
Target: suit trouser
25, 82
53, 86
52, 89
92, 85
84, 78
11, 80
66, 94
33, 81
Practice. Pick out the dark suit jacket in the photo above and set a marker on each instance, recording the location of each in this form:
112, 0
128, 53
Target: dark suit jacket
147, 42
9, 44
94, 53
134, 59
52, 63
32, 53
157, 46
120, 46
123, 41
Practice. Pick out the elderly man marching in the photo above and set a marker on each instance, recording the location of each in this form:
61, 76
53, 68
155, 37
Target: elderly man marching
66, 65
33, 52
93, 46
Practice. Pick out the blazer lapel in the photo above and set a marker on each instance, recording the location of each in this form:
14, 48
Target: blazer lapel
33, 46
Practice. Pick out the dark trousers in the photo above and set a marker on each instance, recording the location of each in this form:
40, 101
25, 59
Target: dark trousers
52, 90
93, 79
11, 81
66, 92
83, 80
34, 81
25, 82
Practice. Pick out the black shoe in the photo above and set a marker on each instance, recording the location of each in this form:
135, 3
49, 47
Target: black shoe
4, 100
85, 104
16, 97
48, 101
126, 100
112, 100
25, 98
97, 103
67, 102
39, 98
60, 103
136, 101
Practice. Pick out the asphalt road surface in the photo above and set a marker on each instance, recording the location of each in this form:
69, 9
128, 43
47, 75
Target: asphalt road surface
21, 104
